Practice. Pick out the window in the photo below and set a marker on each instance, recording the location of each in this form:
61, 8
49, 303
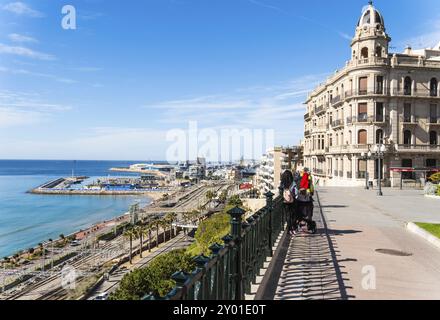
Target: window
379, 112
407, 87
434, 87
407, 137
433, 113
362, 137
379, 85
367, 18
364, 53
362, 165
431, 163
407, 113
362, 112
433, 141
407, 163
379, 51
379, 136
363, 86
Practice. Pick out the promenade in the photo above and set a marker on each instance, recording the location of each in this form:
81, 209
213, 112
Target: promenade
354, 223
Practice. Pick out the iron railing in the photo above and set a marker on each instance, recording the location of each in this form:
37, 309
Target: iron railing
230, 270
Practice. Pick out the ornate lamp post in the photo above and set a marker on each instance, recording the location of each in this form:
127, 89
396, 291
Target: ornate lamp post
366, 157
379, 152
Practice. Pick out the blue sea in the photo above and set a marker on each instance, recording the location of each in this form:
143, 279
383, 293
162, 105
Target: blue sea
27, 219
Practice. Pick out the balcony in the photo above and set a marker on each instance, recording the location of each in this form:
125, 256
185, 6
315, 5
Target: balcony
319, 110
433, 121
361, 118
336, 100
418, 148
424, 93
307, 133
335, 173
349, 174
307, 116
409, 120
337, 124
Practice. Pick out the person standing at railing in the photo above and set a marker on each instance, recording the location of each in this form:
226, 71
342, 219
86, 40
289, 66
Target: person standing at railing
289, 187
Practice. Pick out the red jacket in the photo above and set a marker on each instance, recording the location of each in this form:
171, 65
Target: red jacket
305, 181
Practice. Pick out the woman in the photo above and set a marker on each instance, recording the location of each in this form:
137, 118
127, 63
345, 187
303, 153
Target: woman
289, 186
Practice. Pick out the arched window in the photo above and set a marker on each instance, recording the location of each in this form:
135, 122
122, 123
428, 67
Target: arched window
379, 136
407, 87
407, 137
379, 51
434, 87
364, 53
433, 141
362, 137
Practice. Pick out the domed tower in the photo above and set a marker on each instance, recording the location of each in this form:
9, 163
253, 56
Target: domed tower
371, 39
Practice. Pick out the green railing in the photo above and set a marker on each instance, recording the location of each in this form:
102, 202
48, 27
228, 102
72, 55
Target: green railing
232, 267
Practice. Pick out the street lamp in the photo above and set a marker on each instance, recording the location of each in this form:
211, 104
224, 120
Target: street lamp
366, 156
379, 151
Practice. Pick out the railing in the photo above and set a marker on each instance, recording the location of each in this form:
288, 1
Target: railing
361, 118
337, 123
418, 147
336, 100
307, 116
408, 119
319, 110
434, 120
349, 120
349, 174
341, 174
232, 267
335, 173
421, 93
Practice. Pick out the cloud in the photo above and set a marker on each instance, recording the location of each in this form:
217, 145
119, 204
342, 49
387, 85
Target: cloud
22, 9
428, 39
15, 37
21, 108
278, 107
38, 74
24, 52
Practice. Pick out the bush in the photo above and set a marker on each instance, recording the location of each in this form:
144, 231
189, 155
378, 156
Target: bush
435, 178
209, 232
155, 278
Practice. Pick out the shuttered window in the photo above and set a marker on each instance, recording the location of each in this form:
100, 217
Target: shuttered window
363, 85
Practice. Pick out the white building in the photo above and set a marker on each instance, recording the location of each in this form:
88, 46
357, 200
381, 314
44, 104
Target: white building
378, 97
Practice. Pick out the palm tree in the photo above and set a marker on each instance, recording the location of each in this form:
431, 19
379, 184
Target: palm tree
157, 223
149, 229
130, 234
140, 231
170, 218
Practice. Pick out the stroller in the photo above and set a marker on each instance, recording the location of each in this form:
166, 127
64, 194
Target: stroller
304, 210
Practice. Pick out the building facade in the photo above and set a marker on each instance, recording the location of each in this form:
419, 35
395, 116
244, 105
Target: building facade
377, 98
272, 166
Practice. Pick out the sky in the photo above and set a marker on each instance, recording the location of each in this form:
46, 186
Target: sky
134, 70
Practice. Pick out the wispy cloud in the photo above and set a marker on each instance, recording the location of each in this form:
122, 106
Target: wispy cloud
20, 8
428, 39
15, 37
278, 106
304, 18
21, 108
37, 74
24, 52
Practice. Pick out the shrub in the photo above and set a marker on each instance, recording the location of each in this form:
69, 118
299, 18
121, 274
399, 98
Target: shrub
435, 178
210, 231
155, 278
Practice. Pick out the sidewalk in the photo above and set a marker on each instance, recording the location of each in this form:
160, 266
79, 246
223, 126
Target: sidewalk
354, 224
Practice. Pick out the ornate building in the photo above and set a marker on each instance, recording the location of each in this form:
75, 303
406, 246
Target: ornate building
378, 97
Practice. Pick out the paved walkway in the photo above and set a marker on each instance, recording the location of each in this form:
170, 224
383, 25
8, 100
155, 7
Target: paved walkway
355, 223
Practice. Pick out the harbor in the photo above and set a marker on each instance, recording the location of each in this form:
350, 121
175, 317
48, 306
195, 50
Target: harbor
144, 185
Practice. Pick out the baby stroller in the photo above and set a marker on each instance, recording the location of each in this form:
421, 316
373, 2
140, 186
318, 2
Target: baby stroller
304, 212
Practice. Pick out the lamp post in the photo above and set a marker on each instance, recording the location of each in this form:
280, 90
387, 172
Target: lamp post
379, 151
366, 156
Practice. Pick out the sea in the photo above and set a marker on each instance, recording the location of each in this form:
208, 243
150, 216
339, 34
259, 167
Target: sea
27, 219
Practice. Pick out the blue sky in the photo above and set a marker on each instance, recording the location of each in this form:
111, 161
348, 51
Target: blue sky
132, 70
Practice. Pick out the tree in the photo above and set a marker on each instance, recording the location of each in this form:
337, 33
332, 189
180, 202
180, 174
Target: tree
210, 231
223, 197
155, 278
150, 228
235, 201
140, 230
130, 234
170, 218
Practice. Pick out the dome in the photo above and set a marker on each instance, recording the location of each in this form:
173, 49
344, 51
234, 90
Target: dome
371, 17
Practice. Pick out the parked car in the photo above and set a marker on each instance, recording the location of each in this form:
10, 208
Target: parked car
102, 296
